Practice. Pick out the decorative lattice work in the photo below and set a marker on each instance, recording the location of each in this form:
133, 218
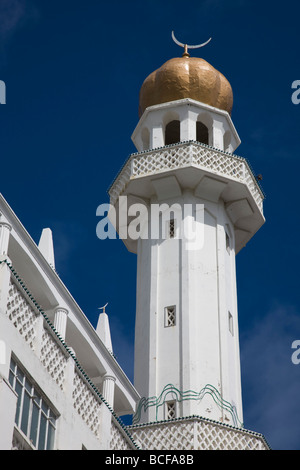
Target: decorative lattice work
172, 435
53, 358
195, 434
171, 409
170, 316
172, 230
86, 404
160, 160
119, 439
210, 437
21, 314
183, 155
218, 162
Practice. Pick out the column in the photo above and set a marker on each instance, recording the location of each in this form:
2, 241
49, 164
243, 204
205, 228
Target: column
187, 125
157, 138
108, 390
218, 135
5, 229
60, 321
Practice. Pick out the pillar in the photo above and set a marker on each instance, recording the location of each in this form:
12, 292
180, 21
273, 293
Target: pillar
60, 321
218, 135
188, 125
157, 138
108, 390
5, 229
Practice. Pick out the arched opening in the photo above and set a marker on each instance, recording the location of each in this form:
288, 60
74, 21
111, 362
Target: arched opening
172, 132
201, 133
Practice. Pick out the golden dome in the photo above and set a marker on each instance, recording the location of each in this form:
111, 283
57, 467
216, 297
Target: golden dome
186, 77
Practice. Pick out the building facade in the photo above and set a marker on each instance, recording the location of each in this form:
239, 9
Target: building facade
60, 385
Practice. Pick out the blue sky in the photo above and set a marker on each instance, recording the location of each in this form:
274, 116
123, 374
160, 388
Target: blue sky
73, 71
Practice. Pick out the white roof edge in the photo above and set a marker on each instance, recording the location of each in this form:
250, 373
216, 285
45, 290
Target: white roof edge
12, 218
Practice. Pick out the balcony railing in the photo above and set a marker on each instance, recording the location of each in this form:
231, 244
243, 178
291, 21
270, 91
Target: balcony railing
183, 155
195, 433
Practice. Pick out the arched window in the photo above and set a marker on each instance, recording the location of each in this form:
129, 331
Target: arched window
201, 133
172, 132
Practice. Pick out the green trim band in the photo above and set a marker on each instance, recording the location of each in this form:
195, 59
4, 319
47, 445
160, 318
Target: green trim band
180, 396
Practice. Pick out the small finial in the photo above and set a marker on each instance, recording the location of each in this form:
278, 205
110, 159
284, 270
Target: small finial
103, 308
185, 54
186, 46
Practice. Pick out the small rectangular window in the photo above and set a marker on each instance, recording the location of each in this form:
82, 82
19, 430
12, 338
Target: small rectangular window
172, 228
170, 316
230, 323
170, 409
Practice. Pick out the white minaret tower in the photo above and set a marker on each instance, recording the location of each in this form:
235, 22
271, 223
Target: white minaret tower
195, 206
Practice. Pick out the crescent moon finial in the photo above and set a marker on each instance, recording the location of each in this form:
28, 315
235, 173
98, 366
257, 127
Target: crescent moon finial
186, 46
103, 308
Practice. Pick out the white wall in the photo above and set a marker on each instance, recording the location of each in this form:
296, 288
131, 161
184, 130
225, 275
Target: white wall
199, 349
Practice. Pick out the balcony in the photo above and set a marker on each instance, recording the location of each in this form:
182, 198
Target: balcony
210, 173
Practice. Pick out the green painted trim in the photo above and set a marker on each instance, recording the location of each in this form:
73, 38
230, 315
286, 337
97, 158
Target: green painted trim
180, 396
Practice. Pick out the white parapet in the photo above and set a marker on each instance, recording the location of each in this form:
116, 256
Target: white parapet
195, 433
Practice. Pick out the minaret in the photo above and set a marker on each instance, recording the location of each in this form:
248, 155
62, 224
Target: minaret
103, 329
196, 205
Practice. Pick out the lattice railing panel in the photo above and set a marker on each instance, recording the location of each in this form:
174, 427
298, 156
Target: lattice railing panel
170, 436
183, 155
195, 434
53, 358
86, 404
211, 437
218, 162
119, 440
21, 314
160, 160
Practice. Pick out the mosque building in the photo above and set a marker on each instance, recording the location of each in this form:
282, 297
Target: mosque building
192, 205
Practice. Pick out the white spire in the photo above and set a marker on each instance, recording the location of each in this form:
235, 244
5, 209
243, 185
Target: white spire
103, 329
46, 246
